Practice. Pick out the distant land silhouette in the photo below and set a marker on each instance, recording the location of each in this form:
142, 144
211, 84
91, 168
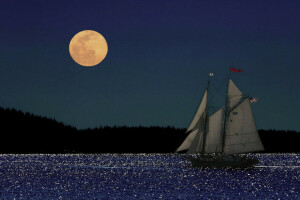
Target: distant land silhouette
27, 133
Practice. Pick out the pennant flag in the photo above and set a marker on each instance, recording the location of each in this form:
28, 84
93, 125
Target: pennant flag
253, 100
235, 70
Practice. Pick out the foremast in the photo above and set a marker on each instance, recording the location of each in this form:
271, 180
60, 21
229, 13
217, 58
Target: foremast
198, 145
206, 121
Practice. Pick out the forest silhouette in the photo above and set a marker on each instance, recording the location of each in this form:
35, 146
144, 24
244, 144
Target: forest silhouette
27, 133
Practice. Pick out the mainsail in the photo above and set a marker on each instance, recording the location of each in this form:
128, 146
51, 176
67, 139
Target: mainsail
208, 136
234, 94
241, 133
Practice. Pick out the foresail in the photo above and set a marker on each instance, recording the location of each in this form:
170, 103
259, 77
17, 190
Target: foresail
234, 94
213, 142
199, 112
241, 133
187, 142
194, 141
197, 144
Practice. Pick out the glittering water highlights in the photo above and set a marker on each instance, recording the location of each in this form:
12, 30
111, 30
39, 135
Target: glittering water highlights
144, 176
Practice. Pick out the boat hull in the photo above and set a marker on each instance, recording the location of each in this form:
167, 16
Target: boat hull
224, 161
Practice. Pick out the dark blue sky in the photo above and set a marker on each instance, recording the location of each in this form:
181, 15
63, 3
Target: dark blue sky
159, 57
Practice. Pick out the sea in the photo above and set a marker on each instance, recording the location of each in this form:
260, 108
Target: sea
144, 176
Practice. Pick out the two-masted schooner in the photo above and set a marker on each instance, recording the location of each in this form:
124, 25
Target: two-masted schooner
230, 130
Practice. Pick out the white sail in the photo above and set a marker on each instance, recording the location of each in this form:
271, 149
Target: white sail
213, 141
197, 144
199, 113
234, 94
188, 141
241, 133
194, 141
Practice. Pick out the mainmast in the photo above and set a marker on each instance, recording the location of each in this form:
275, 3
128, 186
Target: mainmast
226, 110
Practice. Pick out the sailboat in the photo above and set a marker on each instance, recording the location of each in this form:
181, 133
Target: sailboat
220, 139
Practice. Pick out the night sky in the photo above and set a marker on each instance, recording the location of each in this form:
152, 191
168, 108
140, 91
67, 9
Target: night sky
159, 56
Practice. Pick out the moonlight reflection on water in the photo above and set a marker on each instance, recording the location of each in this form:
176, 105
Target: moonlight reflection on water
144, 176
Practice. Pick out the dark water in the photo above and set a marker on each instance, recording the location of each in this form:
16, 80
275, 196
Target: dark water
144, 176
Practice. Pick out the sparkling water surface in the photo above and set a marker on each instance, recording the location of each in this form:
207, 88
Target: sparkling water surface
144, 176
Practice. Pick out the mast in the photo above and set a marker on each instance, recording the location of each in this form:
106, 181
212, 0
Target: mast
206, 120
196, 130
225, 116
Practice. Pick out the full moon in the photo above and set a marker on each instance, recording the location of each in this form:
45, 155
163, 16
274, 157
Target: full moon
88, 48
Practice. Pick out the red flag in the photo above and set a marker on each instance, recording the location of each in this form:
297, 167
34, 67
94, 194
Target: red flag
235, 70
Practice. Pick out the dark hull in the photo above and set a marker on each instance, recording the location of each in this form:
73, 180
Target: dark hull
224, 161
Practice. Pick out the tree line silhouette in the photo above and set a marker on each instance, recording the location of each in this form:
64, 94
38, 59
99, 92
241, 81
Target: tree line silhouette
27, 133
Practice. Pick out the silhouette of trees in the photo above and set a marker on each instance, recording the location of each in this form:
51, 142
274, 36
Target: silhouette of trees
27, 133
280, 141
